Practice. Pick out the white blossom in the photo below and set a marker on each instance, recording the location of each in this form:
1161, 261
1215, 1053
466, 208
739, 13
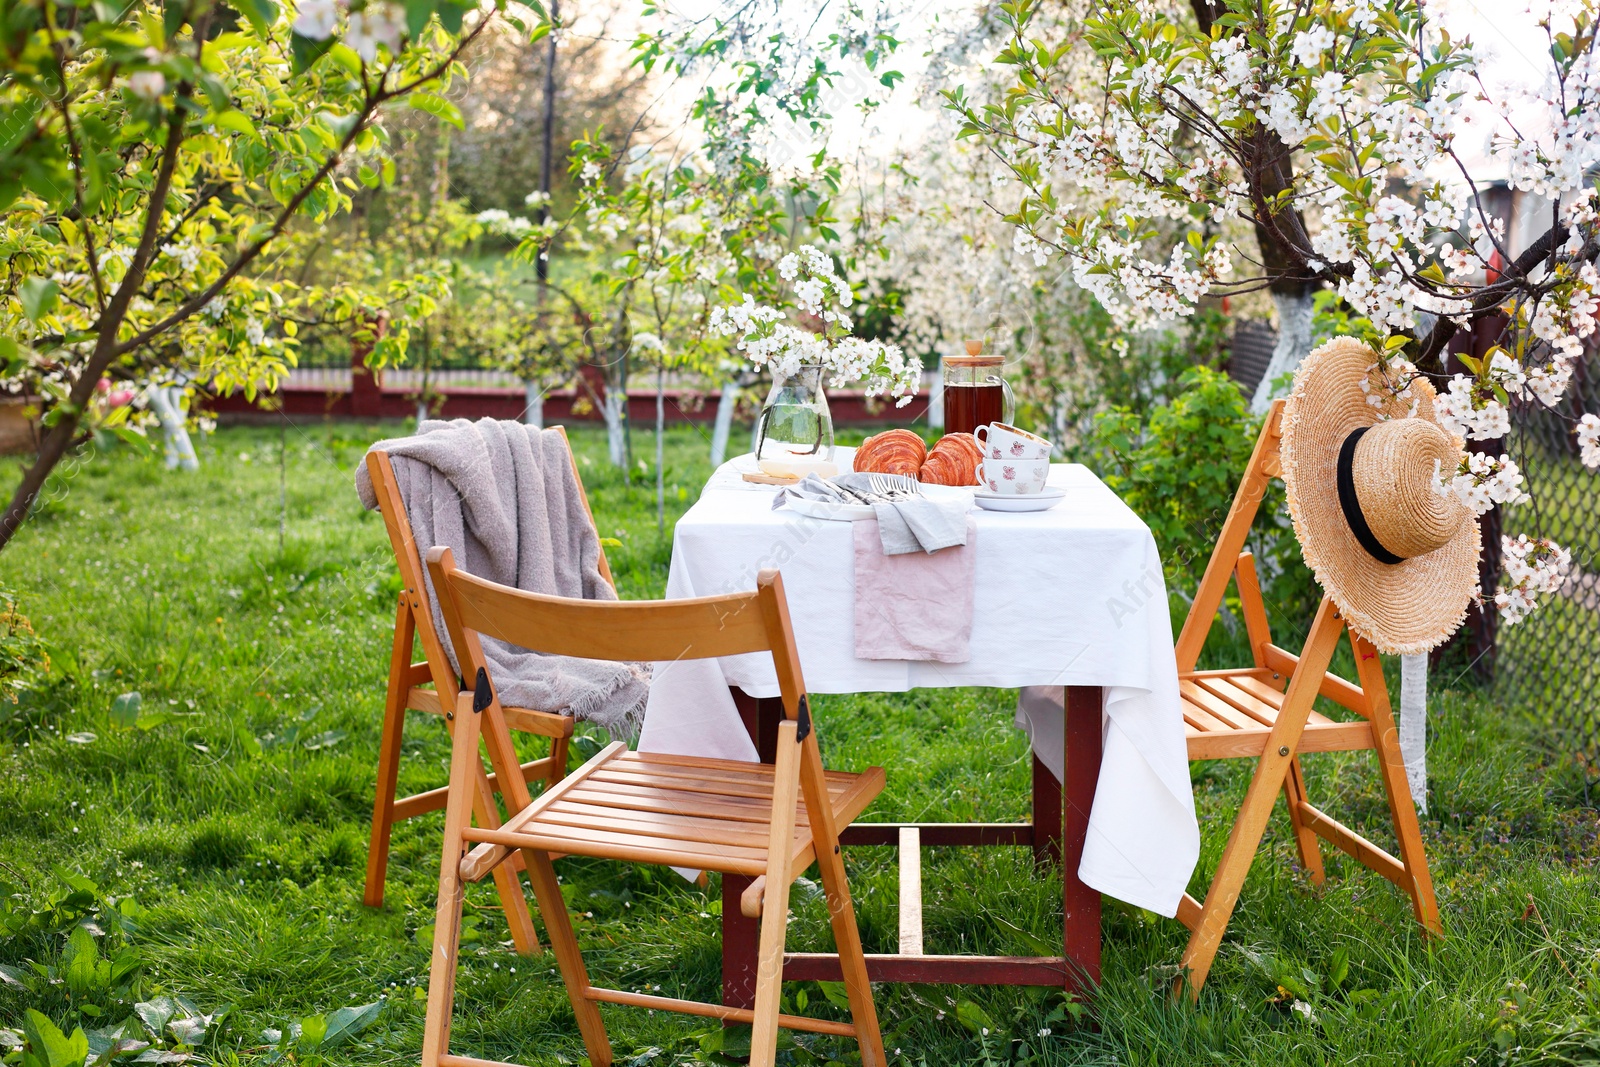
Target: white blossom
1589, 440
1529, 568
379, 23
316, 19
147, 84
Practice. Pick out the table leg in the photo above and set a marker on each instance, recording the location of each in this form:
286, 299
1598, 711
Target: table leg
741, 943
1080, 903
1046, 814
741, 936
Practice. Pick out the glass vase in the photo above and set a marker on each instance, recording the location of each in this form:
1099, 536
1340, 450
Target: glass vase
794, 432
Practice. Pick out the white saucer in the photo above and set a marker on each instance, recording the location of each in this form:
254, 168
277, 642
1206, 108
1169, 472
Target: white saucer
1043, 500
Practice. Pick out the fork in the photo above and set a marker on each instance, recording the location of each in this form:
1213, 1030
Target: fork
894, 486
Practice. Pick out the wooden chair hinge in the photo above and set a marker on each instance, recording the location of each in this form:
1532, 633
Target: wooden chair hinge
482, 692
804, 718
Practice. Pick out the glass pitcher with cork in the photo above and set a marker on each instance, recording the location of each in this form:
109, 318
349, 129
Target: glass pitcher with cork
974, 393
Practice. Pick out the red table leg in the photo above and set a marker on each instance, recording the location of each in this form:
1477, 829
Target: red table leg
741, 937
1080, 904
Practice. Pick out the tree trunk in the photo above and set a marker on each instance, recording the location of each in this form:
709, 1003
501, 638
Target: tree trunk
1294, 343
533, 404
1414, 725
180, 450
613, 411
724, 423
541, 265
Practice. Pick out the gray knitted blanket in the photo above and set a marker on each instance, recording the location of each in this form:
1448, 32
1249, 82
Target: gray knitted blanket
503, 497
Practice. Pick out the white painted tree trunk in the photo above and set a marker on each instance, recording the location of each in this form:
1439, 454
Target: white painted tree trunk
616, 437
1414, 725
1294, 344
533, 404
724, 424
936, 402
166, 401
422, 410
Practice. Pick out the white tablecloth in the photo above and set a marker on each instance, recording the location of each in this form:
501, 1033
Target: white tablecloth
1071, 596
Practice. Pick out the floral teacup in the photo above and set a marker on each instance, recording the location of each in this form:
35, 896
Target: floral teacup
1015, 477
1001, 441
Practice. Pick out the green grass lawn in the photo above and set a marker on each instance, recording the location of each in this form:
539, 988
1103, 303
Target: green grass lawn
207, 840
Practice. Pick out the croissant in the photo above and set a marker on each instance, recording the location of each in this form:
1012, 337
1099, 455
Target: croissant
892, 452
954, 460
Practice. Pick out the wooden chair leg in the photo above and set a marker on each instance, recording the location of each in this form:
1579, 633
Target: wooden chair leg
847, 938
775, 900
1392, 768
513, 901
464, 765
1240, 852
564, 943
1294, 794
559, 747
394, 719
1271, 772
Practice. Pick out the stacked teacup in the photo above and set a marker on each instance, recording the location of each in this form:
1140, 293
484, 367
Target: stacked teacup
1015, 462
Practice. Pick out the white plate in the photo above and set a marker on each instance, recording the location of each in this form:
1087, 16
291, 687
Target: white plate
1043, 500
828, 509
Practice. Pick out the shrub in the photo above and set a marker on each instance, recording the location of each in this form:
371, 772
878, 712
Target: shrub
1177, 467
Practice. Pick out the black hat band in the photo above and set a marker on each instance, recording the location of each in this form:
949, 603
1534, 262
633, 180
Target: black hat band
1350, 504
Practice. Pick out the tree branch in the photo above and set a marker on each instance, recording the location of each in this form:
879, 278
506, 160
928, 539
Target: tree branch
1489, 298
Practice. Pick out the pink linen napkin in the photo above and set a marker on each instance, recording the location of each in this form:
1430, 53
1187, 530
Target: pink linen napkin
914, 606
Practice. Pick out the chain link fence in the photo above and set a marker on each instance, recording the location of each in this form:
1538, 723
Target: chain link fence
1548, 665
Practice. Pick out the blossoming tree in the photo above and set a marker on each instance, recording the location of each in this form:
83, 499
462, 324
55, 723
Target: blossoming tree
1171, 151
151, 154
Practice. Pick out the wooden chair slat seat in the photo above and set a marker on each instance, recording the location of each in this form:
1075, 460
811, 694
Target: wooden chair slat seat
1264, 712
702, 822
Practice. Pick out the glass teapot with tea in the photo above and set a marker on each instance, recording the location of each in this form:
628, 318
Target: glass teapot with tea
974, 393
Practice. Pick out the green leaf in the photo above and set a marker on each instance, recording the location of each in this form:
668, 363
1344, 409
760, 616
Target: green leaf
125, 709
155, 1014
313, 1028
173, 15
450, 15
326, 739
418, 12
835, 994
348, 1022
82, 967
307, 51
261, 14
234, 121
439, 107
974, 1018
48, 1046
38, 296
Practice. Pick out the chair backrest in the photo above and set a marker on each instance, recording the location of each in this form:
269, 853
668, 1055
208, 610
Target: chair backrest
407, 557
653, 631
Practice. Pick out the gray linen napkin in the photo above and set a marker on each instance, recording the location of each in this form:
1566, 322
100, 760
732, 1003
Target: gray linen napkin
907, 524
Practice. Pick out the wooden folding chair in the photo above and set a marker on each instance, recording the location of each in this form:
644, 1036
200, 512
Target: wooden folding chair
713, 814
408, 691
1265, 712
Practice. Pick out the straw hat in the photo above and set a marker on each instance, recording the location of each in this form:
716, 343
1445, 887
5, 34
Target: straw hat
1399, 559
